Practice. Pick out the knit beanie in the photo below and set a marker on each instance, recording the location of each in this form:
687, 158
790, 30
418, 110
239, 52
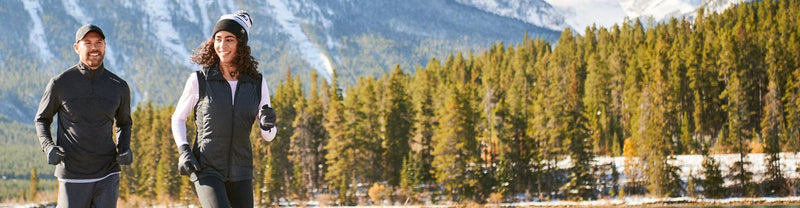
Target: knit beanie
237, 23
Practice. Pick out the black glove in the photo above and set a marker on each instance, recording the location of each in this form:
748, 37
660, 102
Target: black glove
125, 158
55, 155
267, 117
186, 162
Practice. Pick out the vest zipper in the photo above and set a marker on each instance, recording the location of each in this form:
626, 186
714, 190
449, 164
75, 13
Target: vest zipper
233, 130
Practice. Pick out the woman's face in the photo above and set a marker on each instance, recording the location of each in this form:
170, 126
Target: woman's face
225, 46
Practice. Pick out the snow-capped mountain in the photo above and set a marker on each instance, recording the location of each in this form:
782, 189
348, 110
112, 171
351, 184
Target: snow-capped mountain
149, 42
537, 12
579, 14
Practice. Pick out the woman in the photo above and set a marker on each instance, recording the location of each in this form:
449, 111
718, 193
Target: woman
227, 96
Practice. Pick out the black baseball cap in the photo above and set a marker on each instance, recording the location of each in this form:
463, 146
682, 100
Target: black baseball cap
85, 29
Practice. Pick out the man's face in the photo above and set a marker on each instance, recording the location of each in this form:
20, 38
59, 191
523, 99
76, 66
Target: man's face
91, 49
225, 46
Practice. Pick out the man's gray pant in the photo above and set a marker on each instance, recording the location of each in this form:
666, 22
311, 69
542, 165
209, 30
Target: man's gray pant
103, 193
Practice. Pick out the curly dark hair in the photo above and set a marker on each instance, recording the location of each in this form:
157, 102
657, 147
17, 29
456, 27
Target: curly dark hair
244, 62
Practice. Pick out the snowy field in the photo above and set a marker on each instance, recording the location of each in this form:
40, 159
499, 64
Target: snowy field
689, 164
692, 164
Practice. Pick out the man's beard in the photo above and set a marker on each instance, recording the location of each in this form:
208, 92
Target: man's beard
93, 62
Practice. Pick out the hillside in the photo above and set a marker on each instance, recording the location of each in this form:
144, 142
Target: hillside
149, 42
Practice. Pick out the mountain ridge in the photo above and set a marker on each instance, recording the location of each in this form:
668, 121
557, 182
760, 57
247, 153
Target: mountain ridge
149, 42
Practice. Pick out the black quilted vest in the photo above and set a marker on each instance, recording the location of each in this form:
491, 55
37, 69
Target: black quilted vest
222, 146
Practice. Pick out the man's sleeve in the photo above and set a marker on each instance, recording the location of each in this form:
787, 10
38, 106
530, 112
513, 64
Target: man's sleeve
48, 107
123, 120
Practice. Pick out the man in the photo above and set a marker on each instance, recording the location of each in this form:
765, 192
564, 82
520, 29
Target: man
89, 100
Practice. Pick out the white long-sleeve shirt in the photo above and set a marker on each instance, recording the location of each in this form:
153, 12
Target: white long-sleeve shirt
189, 97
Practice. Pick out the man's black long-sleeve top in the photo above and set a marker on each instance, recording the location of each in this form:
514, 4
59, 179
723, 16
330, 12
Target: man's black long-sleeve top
87, 102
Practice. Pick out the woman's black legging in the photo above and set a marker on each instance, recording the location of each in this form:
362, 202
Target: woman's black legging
215, 193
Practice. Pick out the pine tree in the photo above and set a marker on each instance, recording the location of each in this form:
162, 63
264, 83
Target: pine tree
494, 110
34, 185
144, 176
789, 61
367, 129
704, 82
515, 150
610, 50
166, 173
299, 186
423, 90
455, 147
790, 42
582, 179
396, 119
773, 124
280, 168
261, 166
631, 36
713, 182
597, 102
307, 141
162, 180
340, 148
410, 179
658, 104
582, 182
186, 192
541, 160
555, 106
739, 85
678, 86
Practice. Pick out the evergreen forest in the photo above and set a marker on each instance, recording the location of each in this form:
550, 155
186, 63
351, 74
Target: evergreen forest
491, 126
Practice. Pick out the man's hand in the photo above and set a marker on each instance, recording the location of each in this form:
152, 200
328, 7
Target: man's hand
186, 162
267, 118
55, 155
125, 158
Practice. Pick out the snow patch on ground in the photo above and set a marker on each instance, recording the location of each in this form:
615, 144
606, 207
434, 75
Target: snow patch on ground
291, 25
644, 201
37, 36
692, 164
